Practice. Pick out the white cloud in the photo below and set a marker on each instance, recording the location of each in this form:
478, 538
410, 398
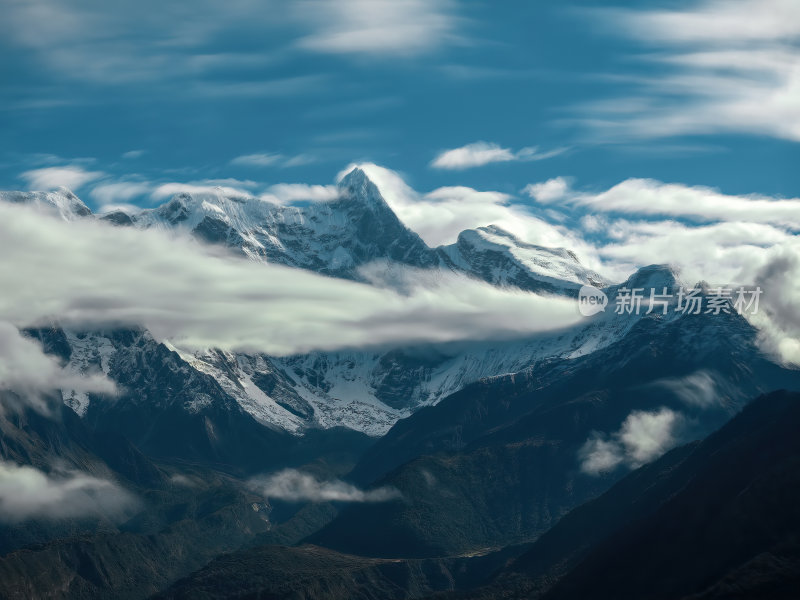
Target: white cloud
599, 455
376, 27
732, 66
31, 374
482, 153
643, 437
548, 191
115, 195
119, 192
299, 160
718, 22
199, 298
166, 190
262, 159
472, 155
727, 253
269, 159
133, 154
697, 389
28, 493
593, 223
650, 197
166, 41
647, 435
292, 192
51, 178
777, 319
725, 238
739, 240
293, 485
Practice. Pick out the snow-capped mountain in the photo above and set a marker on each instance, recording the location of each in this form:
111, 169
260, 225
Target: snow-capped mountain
339, 236
363, 391
334, 237
67, 204
495, 255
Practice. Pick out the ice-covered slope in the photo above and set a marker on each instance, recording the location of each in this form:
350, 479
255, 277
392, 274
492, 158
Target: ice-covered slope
63, 201
495, 255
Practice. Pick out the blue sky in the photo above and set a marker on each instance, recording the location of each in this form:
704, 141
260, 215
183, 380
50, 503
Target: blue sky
264, 92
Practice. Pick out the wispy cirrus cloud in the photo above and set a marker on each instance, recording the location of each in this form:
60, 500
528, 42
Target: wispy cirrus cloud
133, 154
148, 42
729, 66
647, 197
228, 186
169, 41
272, 159
377, 27
478, 154
119, 192
50, 178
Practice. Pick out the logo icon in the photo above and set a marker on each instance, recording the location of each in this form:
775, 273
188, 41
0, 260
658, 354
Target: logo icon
591, 300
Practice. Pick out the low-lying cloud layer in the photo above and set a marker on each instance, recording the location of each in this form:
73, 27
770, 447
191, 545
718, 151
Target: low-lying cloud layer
90, 273
28, 493
30, 374
294, 486
643, 437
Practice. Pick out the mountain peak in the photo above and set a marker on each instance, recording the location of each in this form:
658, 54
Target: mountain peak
655, 277
357, 186
356, 176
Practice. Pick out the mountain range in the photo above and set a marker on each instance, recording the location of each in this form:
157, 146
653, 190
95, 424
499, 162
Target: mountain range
476, 468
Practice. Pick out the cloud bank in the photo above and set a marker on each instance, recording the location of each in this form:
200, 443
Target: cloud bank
90, 273
294, 486
482, 153
28, 493
653, 198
